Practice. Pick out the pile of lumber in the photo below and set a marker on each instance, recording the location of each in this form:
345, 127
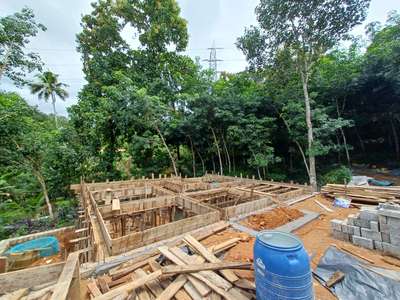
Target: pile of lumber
190, 272
363, 194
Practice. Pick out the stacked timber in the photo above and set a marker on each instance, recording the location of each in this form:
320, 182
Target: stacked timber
363, 194
175, 274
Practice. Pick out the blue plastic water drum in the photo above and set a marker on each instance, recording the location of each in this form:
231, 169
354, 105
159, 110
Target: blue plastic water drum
47, 246
282, 267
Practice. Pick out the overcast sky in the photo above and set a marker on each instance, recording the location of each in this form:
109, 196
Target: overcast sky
221, 21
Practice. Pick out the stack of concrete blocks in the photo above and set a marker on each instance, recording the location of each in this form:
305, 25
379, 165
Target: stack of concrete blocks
372, 228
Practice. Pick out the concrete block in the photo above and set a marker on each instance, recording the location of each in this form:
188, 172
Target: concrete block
356, 230
374, 225
351, 230
378, 246
362, 223
389, 213
385, 237
389, 206
393, 222
339, 235
395, 239
336, 224
369, 234
383, 227
390, 249
382, 219
369, 214
350, 219
363, 242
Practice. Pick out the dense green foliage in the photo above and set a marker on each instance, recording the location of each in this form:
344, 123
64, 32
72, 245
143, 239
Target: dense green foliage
151, 109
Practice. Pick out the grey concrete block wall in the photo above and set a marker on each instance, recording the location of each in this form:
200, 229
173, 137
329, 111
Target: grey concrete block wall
372, 229
374, 225
370, 234
336, 224
369, 215
363, 242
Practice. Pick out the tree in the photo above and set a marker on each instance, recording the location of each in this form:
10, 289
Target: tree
308, 29
15, 32
24, 140
48, 86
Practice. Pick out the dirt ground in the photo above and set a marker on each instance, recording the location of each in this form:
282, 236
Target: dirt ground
315, 235
272, 219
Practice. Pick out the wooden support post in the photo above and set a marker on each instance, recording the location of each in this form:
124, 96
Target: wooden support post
3, 264
68, 283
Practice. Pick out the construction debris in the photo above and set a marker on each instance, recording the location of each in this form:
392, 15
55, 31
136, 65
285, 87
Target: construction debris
363, 194
177, 273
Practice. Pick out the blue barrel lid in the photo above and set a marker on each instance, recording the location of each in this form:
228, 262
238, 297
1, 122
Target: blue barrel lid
279, 239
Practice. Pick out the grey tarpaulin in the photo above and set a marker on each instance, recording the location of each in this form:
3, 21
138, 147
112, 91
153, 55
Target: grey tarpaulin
360, 282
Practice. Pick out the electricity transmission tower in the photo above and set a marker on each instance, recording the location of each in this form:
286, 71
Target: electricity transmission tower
213, 60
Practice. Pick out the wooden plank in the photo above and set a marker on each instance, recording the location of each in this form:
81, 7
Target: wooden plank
323, 206
77, 240
142, 293
214, 281
116, 206
30, 277
104, 288
173, 288
213, 277
245, 284
203, 289
154, 286
93, 289
205, 267
125, 271
131, 286
193, 243
335, 278
181, 294
69, 272
3, 264
16, 295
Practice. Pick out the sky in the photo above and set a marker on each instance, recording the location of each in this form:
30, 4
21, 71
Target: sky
209, 21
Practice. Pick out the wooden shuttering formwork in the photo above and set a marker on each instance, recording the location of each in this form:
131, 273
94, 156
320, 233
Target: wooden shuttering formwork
279, 191
231, 202
157, 226
144, 221
60, 281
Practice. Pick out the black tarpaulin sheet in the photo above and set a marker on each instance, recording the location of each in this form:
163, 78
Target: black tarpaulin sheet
359, 282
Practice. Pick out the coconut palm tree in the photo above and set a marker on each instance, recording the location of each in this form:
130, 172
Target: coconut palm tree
48, 86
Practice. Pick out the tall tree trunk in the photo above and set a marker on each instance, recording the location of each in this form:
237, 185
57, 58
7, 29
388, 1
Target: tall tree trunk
395, 138
362, 145
227, 154
53, 101
346, 148
169, 152
45, 194
297, 144
193, 157
310, 137
213, 164
219, 152
202, 162
339, 154
233, 161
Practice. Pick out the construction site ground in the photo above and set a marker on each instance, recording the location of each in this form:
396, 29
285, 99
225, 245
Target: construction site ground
315, 235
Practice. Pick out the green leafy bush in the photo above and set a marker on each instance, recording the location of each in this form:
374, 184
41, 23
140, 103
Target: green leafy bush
339, 175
